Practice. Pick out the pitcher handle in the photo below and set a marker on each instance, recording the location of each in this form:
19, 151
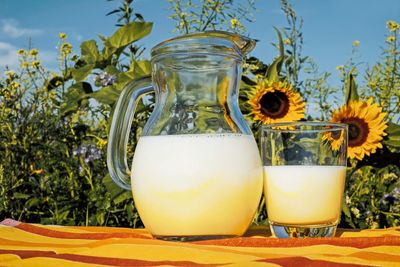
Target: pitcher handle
120, 127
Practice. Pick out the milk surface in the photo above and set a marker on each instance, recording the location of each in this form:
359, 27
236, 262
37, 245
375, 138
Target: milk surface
186, 185
304, 195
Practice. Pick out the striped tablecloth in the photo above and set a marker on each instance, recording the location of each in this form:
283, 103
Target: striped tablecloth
23, 244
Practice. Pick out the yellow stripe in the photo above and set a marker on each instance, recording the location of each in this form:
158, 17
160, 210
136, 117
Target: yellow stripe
16, 234
173, 253
47, 262
373, 233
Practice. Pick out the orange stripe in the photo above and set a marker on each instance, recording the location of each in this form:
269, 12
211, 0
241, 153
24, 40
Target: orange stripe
26, 254
20, 243
376, 256
355, 242
58, 234
303, 261
108, 229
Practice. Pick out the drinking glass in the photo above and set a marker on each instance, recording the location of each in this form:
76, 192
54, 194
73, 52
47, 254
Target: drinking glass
304, 177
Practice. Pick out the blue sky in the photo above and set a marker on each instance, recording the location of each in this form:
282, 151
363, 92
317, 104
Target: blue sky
330, 27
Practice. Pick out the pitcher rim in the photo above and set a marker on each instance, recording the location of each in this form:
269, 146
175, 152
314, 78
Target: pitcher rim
219, 42
317, 126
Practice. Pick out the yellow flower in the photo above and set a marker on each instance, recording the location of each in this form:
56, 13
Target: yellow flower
15, 85
10, 74
34, 52
66, 48
35, 64
392, 25
21, 52
6, 95
340, 67
391, 38
356, 43
356, 212
335, 138
371, 84
287, 41
101, 142
366, 127
62, 35
24, 65
52, 94
253, 67
235, 23
276, 102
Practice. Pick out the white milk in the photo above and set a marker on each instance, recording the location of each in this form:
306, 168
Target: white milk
186, 185
304, 194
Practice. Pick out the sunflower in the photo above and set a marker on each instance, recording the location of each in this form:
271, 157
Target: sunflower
366, 127
335, 138
276, 102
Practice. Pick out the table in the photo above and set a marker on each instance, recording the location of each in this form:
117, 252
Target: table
23, 244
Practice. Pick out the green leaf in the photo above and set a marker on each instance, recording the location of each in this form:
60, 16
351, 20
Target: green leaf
393, 137
393, 129
140, 68
32, 202
281, 49
90, 51
122, 197
81, 73
112, 12
110, 69
53, 83
273, 70
58, 80
20, 195
304, 59
74, 97
123, 79
129, 33
102, 38
247, 82
63, 216
107, 95
100, 218
345, 208
351, 88
117, 194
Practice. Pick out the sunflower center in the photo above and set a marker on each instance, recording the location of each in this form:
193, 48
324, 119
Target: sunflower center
274, 104
358, 131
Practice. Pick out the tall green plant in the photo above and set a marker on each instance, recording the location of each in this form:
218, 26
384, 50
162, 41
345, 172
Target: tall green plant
201, 15
35, 184
52, 151
319, 95
383, 78
293, 39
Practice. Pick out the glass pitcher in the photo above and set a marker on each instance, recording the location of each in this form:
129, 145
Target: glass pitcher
196, 172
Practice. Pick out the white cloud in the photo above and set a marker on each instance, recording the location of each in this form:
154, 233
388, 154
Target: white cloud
11, 28
9, 57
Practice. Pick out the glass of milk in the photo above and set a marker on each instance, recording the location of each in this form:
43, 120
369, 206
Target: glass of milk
304, 177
